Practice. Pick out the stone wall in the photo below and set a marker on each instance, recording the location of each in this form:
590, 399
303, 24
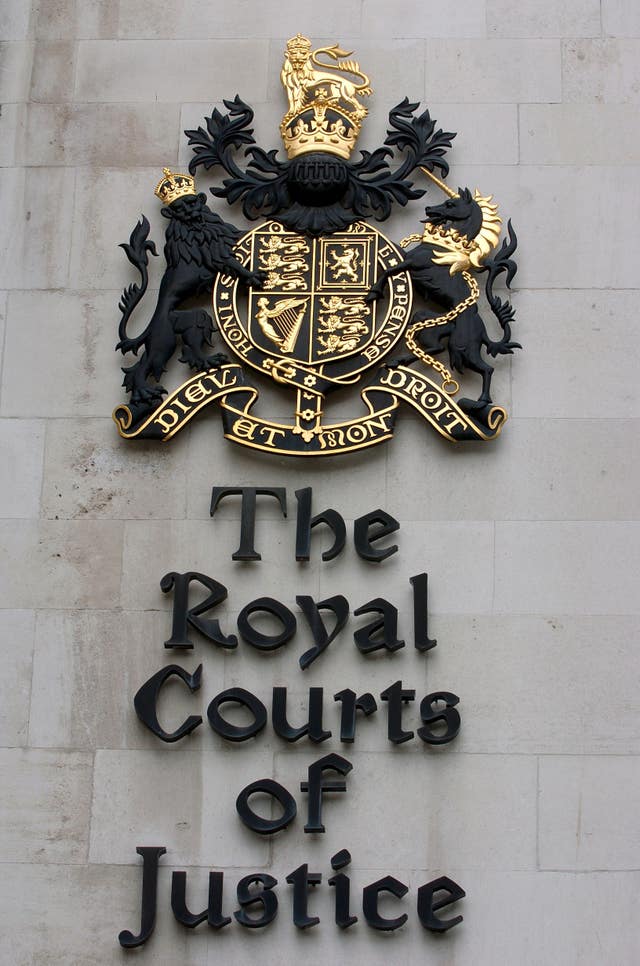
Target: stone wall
531, 543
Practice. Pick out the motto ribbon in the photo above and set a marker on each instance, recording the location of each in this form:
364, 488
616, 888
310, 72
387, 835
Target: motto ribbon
228, 386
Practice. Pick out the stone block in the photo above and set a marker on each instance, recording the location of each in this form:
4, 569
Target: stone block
355, 486
526, 684
79, 911
71, 563
458, 554
35, 233
100, 134
486, 134
493, 71
606, 71
564, 134
415, 20
99, 228
22, 445
90, 472
16, 60
566, 369
132, 71
11, 120
569, 560
84, 323
418, 802
53, 72
202, 20
47, 796
529, 473
3, 319
61, 19
207, 548
575, 18
14, 20
183, 799
560, 209
576, 905
588, 813
95, 661
17, 628
620, 18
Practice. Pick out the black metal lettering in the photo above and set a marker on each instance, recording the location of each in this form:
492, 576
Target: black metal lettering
150, 859
305, 523
183, 615
428, 905
145, 702
212, 914
266, 642
420, 584
350, 704
432, 715
316, 786
363, 539
313, 728
246, 550
380, 633
370, 903
266, 826
395, 696
342, 885
237, 732
339, 606
266, 898
301, 879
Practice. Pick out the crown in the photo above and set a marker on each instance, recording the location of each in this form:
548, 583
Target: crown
324, 111
174, 185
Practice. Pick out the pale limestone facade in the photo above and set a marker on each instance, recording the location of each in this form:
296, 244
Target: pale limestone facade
531, 543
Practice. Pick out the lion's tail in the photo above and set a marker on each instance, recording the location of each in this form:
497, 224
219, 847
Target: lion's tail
346, 66
137, 252
503, 263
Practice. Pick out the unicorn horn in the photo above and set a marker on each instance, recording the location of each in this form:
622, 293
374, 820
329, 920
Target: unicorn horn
447, 190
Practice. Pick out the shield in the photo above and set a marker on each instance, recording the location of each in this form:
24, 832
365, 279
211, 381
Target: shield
311, 312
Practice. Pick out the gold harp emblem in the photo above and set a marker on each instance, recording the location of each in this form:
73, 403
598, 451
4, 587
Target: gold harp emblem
281, 324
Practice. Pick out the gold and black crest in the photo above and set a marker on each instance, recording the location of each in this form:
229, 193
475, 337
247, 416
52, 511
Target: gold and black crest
315, 297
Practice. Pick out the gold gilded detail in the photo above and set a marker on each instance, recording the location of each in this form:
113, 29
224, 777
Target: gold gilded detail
319, 337
324, 111
457, 250
345, 264
174, 185
284, 262
460, 252
445, 187
281, 324
345, 332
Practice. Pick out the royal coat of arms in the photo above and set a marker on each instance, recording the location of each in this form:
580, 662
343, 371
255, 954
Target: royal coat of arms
315, 297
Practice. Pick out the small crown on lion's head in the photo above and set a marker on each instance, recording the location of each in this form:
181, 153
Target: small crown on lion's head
299, 45
173, 185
